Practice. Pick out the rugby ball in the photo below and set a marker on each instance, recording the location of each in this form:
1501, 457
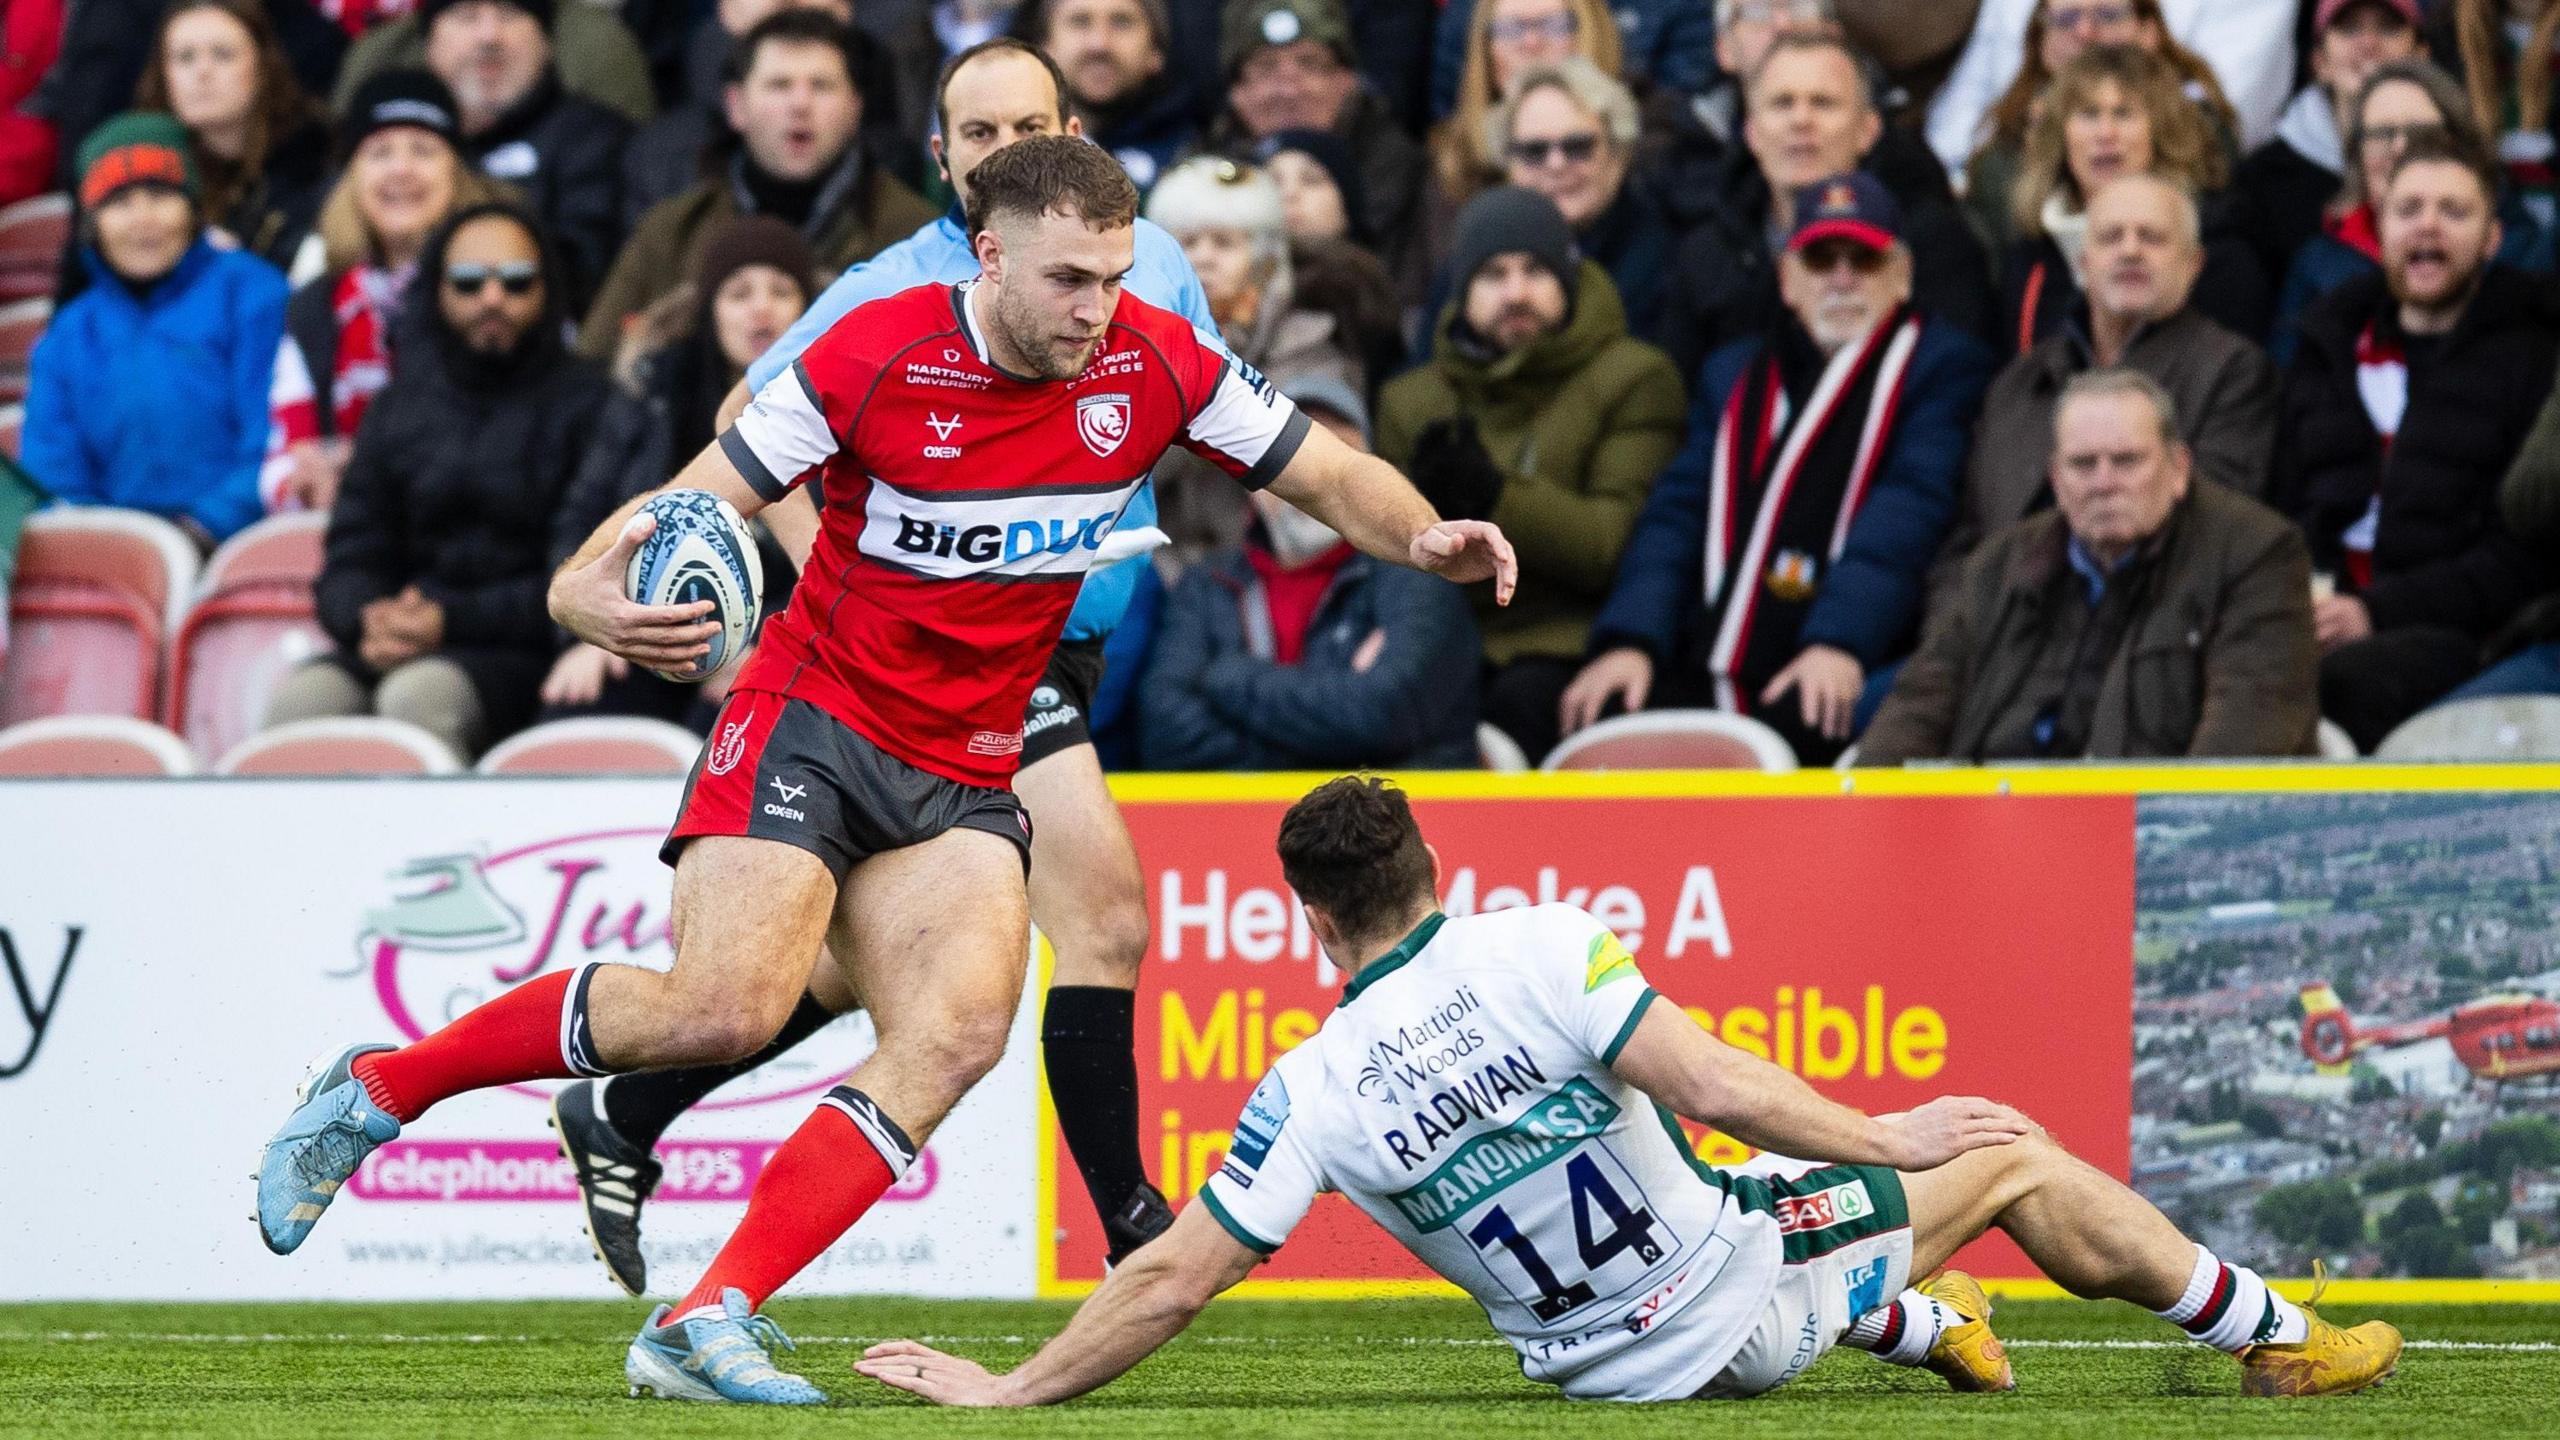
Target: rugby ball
701, 550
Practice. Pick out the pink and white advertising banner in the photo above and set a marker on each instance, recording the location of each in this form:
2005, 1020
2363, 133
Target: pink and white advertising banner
184, 949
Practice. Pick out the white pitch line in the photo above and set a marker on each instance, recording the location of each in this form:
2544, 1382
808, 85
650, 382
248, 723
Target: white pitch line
2521, 1347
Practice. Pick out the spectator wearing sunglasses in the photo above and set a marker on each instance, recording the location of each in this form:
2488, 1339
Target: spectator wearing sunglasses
1569, 132
1810, 114
149, 391
403, 177
439, 548
1505, 40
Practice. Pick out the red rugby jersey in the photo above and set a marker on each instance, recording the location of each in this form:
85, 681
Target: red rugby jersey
961, 507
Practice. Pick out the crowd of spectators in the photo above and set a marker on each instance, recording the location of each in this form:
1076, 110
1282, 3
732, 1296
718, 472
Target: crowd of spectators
2017, 379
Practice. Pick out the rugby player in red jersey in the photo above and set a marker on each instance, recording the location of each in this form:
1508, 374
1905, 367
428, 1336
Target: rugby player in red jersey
972, 446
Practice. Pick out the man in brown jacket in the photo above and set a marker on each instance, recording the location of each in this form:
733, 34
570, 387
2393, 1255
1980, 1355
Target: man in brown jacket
2144, 616
2143, 253
791, 98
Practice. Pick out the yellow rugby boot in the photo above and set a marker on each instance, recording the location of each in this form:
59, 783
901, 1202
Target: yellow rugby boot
1968, 1355
2331, 1360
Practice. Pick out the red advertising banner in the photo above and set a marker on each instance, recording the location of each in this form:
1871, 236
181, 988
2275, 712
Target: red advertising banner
1887, 949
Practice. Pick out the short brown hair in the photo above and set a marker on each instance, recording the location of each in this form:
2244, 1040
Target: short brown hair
2443, 150
1052, 172
1350, 848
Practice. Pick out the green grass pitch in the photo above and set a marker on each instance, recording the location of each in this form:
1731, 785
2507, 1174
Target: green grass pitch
1402, 1369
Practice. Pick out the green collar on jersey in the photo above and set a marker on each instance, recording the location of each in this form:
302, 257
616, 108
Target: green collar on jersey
1394, 960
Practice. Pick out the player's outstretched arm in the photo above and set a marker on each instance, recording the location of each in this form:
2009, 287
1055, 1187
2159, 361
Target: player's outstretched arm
1370, 503
587, 597
1141, 1305
1674, 1060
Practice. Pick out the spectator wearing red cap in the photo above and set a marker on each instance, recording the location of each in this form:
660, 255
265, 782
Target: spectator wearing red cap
1779, 562
1809, 114
2290, 184
149, 391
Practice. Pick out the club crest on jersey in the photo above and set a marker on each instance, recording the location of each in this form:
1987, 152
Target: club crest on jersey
1102, 422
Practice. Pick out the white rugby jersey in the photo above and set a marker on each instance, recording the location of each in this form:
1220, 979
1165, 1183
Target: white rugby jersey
1461, 1096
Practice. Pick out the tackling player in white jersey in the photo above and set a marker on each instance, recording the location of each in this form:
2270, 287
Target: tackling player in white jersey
1499, 1093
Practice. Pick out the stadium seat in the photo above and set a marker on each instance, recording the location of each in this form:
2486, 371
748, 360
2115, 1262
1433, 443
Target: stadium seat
92, 745
13, 422
33, 236
346, 745
22, 323
595, 745
252, 621
2511, 727
2336, 744
97, 591
1675, 740
1497, 751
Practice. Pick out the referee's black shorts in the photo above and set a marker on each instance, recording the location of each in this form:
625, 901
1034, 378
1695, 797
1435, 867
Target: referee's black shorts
1062, 703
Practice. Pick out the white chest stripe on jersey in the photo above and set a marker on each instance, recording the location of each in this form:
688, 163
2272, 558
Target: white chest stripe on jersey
991, 535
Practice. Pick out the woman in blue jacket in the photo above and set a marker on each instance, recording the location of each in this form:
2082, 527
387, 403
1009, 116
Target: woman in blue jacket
150, 390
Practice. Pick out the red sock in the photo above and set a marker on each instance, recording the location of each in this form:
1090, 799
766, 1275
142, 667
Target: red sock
840, 1161
512, 1038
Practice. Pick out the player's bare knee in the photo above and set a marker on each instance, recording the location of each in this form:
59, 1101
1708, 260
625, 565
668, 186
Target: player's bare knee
2037, 1159
1120, 940
728, 1024
961, 1044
